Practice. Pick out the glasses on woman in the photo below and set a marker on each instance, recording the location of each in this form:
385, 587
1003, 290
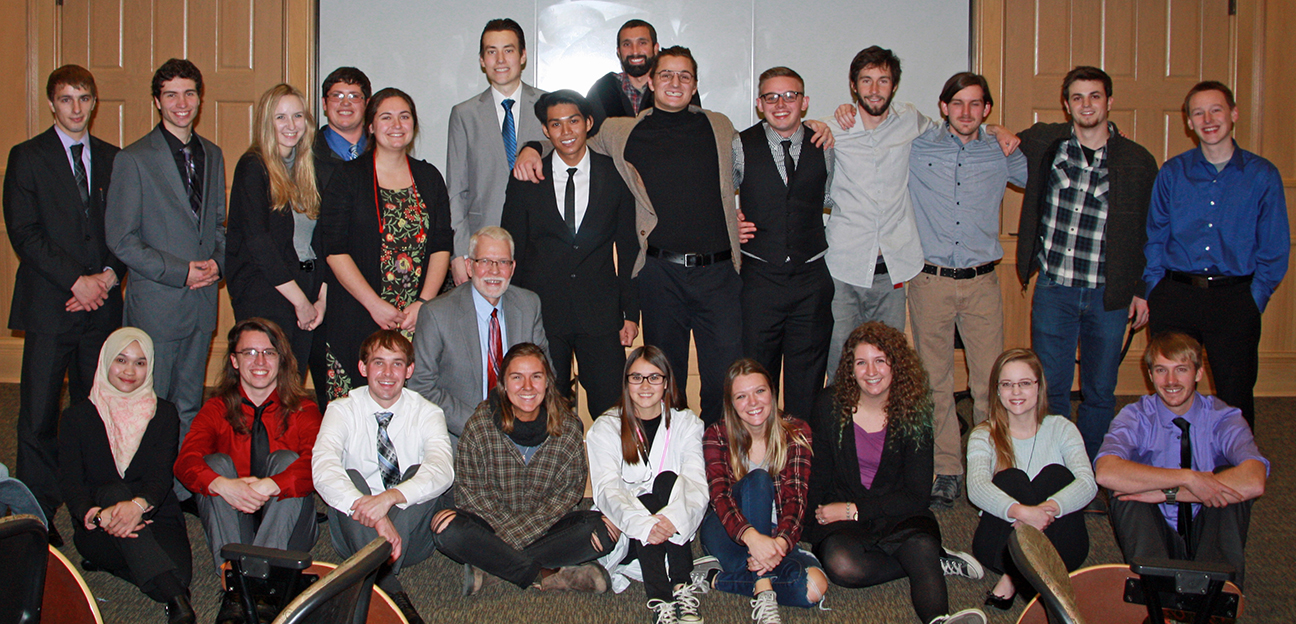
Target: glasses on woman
655, 379
253, 354
1024, 385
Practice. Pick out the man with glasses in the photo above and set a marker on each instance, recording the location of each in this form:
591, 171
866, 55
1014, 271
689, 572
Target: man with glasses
625, 93
461, 337
247, 457
343, 138
783, 180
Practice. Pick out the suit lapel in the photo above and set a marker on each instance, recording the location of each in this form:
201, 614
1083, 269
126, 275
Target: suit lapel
99, 174
164, 171
56, 160
468, 327
550, 214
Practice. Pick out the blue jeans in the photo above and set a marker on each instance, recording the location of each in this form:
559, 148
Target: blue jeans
1061, 317
755, 496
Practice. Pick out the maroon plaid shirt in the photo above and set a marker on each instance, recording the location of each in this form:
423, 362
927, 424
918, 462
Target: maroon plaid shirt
790, 485
635, 95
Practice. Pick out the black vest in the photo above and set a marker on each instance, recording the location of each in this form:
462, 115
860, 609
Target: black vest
789, 219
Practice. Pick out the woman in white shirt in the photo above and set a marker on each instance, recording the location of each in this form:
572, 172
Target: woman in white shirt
649, 479
1026, 467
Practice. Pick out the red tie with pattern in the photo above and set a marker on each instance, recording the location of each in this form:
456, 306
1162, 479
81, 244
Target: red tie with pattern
495, 351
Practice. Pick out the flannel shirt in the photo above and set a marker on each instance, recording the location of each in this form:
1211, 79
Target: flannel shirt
519, 500
790, 485
634, 95
1075, 217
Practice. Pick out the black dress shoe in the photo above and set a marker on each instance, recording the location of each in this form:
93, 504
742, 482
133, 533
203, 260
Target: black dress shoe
999, 602
231, 608
190, 506
179, 611
90, 566
55, 539
406, 607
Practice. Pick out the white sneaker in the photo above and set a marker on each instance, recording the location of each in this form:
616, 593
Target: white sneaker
959, 563
686, 604
663, 612
702, 567
765, 608
966, 616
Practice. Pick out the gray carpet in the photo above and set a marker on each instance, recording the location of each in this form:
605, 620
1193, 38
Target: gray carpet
434, 585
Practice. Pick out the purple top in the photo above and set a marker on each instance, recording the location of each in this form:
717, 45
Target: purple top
868, 448
1144, 432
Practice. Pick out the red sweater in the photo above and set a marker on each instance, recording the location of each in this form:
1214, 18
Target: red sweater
211, 433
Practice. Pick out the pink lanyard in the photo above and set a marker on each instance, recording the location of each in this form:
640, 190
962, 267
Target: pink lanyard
639, 432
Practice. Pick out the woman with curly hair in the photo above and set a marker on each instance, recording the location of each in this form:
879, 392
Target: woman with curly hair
872, 475
1026, 466
757, 462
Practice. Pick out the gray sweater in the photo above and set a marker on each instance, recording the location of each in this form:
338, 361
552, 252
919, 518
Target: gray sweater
1057, 442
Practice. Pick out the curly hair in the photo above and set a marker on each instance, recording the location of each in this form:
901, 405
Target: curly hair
908, 404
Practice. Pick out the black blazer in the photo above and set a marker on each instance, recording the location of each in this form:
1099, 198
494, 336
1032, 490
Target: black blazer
901, 489
259, 252
86, 462
55, 241
580, 289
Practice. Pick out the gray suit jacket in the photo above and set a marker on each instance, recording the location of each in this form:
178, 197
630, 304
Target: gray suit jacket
152, 229
477, 170
448, 368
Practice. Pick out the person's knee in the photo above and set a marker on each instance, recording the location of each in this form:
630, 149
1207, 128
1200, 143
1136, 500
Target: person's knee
223, 464
112, 493
442, 519
279, 461
816, 585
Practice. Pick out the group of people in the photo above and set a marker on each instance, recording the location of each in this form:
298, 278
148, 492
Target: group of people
350, 260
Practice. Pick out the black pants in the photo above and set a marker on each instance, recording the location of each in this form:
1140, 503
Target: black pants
787, 318
470, 539
46, 358
853, 557
601, 358
1067, 533
654, 559
159, 561
1226, 322
1219, 534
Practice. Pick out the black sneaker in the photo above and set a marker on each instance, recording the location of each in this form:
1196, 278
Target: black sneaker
945, 490
406, 607
958, 563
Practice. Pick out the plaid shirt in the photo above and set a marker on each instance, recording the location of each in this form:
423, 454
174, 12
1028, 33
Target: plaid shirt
519, 500
790, 485
1075, 217
635, 95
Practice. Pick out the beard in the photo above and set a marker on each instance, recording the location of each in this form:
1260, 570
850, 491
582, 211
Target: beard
637, 70
868, 106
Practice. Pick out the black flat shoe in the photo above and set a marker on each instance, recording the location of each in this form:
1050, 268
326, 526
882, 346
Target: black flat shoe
55, 539
90, 566
999, 602
179, 611
190, 506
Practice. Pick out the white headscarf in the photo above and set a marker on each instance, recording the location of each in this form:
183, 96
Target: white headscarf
125, 414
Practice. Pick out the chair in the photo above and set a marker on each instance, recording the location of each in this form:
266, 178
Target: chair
1190, 589
267, 579
25, 548
67, 597
341, 597
1043, 568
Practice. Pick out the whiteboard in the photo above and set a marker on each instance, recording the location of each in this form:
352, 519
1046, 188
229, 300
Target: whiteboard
429, 49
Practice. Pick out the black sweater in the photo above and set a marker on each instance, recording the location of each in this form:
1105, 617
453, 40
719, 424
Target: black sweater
675, 153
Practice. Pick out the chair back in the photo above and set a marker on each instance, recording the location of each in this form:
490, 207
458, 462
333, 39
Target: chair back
1040, 563
341, 597
25, 548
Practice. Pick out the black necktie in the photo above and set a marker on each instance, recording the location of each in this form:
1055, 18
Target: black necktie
79, 172
260, 455
1185, 461
789, 165
569, 202
193, 181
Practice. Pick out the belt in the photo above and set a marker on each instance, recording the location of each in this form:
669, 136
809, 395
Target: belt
1209, 281
880, 268
959, 274
689, 259
307, 266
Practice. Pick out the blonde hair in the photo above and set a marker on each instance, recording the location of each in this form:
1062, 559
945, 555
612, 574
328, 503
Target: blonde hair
780, 433
295, 190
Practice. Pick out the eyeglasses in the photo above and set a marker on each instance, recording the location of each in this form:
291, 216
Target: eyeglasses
487, 263
655, 379
252, 354
1025, 384
787, 96
338, 96
667, 75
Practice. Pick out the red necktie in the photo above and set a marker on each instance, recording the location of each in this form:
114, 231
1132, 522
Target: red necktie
495, 353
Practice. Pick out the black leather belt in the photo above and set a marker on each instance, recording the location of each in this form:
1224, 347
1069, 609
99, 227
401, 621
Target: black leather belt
690, 259
959, 274
880, 268
308, 266
1209, 281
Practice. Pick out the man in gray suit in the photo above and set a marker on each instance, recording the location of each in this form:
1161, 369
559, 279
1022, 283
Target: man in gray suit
462, 336
485, 133
165, 221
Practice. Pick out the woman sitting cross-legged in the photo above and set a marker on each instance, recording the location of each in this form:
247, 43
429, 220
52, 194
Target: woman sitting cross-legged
872, 477
757, 465
519, 476
648, 477
1026, 467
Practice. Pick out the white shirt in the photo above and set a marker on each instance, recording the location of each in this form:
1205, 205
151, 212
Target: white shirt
499, 109
483, 308
582, 181
68, 142
348, 440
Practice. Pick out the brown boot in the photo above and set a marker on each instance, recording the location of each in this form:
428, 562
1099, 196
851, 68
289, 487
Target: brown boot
587, 577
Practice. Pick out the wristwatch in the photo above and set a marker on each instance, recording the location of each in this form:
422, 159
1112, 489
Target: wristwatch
1171, 495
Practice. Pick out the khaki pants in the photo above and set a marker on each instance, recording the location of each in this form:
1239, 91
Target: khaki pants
936, 306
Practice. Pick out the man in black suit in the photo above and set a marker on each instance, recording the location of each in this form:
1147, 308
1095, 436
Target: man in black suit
345, 92
66, 297
565, 232
625, 93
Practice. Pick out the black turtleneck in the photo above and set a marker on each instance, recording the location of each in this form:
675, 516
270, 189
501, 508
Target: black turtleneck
675, 154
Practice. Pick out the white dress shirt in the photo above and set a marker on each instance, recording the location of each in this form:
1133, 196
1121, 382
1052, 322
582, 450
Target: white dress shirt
582, 181
68, 142
515, 107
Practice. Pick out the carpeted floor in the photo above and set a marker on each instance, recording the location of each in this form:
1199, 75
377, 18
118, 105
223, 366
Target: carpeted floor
434, 585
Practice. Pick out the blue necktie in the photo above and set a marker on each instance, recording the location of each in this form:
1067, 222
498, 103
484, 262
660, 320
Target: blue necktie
353, 151
509, 132
388, 463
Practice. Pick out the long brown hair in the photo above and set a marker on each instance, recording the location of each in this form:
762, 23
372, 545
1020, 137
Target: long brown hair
556, 407
908, 405
294, 190
634, 446
292, 393
780, 433
997, 424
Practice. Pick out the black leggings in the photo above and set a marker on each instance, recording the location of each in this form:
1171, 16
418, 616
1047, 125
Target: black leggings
852, 558
470, 539
1068, 533
659, 582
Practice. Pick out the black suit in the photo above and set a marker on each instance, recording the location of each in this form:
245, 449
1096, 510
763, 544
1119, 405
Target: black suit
57, 239
585, 298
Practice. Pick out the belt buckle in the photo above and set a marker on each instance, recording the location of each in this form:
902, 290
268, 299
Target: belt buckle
1201, 281
307, 266
691, 260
